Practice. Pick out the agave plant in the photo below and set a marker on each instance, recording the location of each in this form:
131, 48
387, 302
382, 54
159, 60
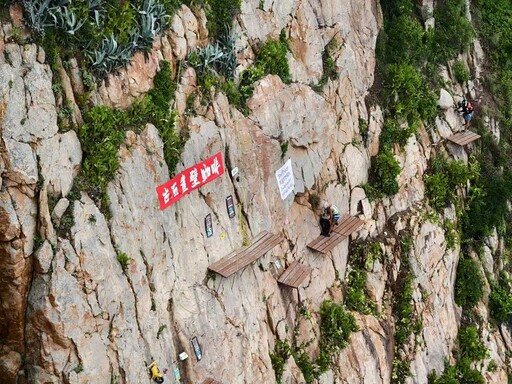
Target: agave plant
37, 14
206, 58
227, 62
69, 21
95, 9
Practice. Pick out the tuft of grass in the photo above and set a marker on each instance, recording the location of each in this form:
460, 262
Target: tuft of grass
124, 260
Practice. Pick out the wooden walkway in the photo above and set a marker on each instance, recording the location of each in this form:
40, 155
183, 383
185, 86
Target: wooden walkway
210, 381
464, 138
344, 229
295, 274
241, 258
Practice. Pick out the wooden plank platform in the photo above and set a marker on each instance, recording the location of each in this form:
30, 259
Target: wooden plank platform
295, 274
241, 258
344, 229
211, 381
348, 224
464, 138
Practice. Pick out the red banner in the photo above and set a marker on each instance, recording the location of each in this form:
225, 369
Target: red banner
190, 179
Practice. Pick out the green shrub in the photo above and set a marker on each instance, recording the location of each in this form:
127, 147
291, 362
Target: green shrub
271, 56
220, 15
101, 135
307, 367
453, 31
329, 66
450, 234
385, 173
403, 310
401, 371
364, 254
336, 325
460, 72
403, 39
460, 373
409, 97
247, 80
468, 283
160, 329
500, 300
279, 357
393, 133
470, 345
443, 179
356, 297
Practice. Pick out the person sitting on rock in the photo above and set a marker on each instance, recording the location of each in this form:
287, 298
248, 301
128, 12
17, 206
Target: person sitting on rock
156, 376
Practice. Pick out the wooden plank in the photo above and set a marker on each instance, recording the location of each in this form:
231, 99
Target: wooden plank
305, 271
250, 254
227, 260
464, 138
237, 260
295, 274
324, 244
348, 226
344, 229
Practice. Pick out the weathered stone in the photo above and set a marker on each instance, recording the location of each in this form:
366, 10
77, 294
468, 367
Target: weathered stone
69, 96
9, 224
22, 168
26, 211
445, 100
59, 161
59, 209
10, 364
45, 225
357, 163
43, 258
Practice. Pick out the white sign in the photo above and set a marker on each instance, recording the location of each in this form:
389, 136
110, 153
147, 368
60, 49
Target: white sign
285, 179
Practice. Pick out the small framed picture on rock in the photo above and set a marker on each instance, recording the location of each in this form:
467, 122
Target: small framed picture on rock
208, 226
230, 206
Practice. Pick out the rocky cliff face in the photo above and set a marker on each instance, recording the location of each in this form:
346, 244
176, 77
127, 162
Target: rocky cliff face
72, 314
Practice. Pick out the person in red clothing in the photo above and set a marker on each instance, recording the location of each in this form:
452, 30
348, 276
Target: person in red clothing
467, 110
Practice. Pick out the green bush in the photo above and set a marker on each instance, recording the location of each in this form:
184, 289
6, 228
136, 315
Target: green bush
460, 373
401, 371
329, 66
272, 58
468, 283
336, 325
403, 39
444, 177
410, 98
470, 345
500, 300
385, 173
356, 297
279, 357
220, 15
393, 133
460, 72
453, 31
403, 310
